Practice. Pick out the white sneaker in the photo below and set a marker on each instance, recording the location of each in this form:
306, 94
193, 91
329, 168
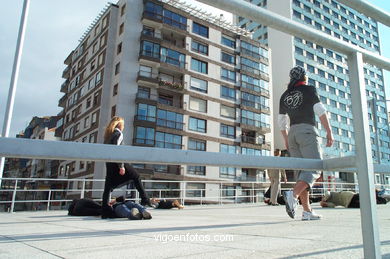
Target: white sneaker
310, 215
291, 203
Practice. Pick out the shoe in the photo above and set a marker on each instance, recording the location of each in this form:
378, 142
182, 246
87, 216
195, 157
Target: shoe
135, 214
310, 215
146, 202
291, 203
146, 215
274, 204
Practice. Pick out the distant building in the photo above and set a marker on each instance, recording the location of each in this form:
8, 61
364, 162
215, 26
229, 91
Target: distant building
181, 78
327, 69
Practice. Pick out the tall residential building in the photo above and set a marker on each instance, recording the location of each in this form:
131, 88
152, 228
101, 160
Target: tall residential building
182, 79
327, 69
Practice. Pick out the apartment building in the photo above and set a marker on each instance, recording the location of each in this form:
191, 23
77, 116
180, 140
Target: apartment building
182, 79
327, 70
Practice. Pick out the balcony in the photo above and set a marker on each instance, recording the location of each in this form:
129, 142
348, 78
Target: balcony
165, 144
255, 88
64, 86
147, 76
173, 61
62, 101
256, 105
258, 141
176, 84
66, 73
252, 70
170, 124
252, 54
150, 55
255, 125
143, 142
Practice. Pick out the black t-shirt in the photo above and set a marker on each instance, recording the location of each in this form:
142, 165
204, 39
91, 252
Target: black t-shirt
298, 104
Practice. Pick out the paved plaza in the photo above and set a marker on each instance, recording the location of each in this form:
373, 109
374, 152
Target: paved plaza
211, 231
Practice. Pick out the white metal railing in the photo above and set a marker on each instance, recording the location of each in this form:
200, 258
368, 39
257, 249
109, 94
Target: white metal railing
256, 191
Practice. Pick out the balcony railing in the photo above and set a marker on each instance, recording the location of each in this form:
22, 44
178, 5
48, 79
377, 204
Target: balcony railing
144, 141
145, 118
151, 54
252, 70
254, 87
255, 105
176, 84
170, 124
252, 53
255, 123
170, 145
172, 61
253, 140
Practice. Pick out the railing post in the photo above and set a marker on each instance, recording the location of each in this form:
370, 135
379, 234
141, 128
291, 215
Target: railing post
14, 196
82, 190
159, 194
48, 201
220, 194
201, 197
184, 193
364, 163
253, 193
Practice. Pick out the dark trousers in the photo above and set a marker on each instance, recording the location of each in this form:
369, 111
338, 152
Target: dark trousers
86, 207
355, 202
115, 180
165, 204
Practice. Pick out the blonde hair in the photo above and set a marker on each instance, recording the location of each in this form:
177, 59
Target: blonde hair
115, 121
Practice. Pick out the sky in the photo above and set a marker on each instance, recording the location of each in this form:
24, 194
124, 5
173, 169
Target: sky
53, 31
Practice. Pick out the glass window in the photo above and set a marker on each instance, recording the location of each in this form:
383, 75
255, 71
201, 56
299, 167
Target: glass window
150, 49
146, 112
254, 84
228, 112
199, 47
228, 93
227, 172
153, 10
196, 170
198, 85
255, 101
195, 190
167, 140
196, 124
196, 144
143, 92
197, 104
228, 131
255, 119
144, 135
225, 57
145, 71
175, 19
200, 29
173, 57
170, 119
199, 66
228, 75
228, 41
253, 66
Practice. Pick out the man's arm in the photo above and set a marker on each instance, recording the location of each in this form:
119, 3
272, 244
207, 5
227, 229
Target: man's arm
329, 136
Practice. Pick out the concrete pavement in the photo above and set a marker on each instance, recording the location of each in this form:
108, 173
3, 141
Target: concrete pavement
211, 231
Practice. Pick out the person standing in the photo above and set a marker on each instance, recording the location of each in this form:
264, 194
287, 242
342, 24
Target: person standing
119, 174
297, 109
274, 177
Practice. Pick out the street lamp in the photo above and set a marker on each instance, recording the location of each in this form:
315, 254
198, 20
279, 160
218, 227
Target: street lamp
373, 102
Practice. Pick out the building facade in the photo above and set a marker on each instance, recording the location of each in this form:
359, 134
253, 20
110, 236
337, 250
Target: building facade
181, 79
328, 70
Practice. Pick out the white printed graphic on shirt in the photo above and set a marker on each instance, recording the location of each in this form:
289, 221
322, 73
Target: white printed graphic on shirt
293, 100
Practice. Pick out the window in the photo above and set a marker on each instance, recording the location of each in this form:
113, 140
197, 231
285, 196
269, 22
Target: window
197, 170
115, 90
198, 125
119, 48
174, 19
255, 101
167, 140
228, 41
98, 77
200, 29
199, 47
100, 59
165, 99
113, 111
123, 9
228, 131
225, 57
143, 92
146, 112
170, 119
197, 104
144, 136
121, 28
150, 49
228, 112
253, 152
196, 144
195, 190
172, 57
228, 93
117, 68
199, 66
228, 75
199, 85
253, 66
255, 119
227, 172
